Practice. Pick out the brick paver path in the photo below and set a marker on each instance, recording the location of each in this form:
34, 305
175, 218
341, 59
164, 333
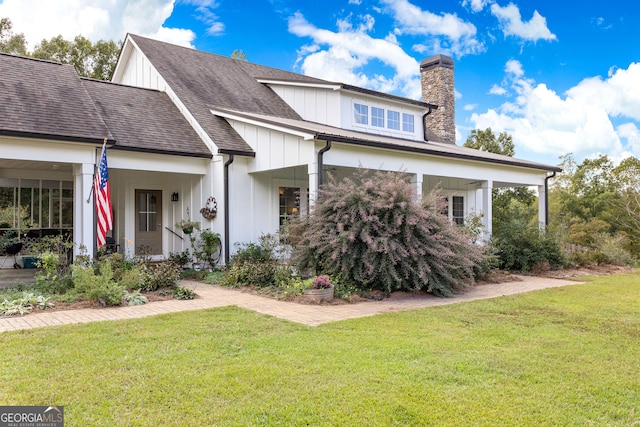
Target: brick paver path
312, 315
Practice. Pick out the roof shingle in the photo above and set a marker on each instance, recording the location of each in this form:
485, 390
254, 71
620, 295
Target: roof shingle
44, 99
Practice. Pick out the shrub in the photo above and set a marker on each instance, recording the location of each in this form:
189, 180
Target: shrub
256, 264
613, 249
162, 274
181, 292
135, 297
371, 231
97, 287
521, 246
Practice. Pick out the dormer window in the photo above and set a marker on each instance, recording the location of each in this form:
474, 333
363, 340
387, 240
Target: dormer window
377, 117
400, 122
393, 120
361, 114
407, 122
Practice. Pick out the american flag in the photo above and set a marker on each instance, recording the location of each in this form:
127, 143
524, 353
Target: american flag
102, 196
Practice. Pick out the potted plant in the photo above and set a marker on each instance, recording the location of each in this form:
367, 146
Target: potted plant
187, 226
318, 289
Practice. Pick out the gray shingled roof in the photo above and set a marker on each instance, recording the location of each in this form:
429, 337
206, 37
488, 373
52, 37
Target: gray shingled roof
42, 99
325, 132
145, 120
202, 80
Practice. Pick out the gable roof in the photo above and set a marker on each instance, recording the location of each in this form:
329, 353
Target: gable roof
312, 130
45, 100
145, 120
202, 80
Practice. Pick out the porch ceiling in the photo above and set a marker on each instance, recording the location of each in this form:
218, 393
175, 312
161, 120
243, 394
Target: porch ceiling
32, 165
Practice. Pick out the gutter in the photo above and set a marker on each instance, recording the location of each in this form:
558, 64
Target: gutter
321, 163
226, 208
546, 199
424, 122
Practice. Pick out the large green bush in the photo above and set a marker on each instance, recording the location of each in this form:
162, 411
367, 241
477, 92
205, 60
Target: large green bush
371, 230
521, 246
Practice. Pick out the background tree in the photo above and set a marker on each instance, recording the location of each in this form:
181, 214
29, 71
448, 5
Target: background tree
509, 204
239, 54
94, 60
14, 44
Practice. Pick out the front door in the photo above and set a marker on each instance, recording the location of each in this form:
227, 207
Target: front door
148, 222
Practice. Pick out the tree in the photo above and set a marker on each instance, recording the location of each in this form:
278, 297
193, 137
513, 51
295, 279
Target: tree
14, 44
96, 61
509, 204
239, 54
486, 140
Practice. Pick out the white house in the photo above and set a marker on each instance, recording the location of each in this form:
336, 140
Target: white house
186, 129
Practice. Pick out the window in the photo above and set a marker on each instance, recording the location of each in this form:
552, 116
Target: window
377, 117
407, 122
457, 210
289, 203
361, 114
393, 120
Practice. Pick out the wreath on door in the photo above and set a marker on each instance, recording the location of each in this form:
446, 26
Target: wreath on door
210, 209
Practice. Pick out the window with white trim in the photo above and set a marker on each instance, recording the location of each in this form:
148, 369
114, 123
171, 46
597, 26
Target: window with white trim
361, 114
407, 122
393, 120
453, 208
377, 117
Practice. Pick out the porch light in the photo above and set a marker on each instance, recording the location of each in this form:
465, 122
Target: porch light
175, 197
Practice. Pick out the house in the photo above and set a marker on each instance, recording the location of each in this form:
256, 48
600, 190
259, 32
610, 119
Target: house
187, 130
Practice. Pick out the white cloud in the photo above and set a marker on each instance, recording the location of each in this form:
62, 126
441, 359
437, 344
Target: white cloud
340, 56
513, 25
94, 19
445, 33
497, 90
475, 5
470, 107
579, 122
631, 133
514, 67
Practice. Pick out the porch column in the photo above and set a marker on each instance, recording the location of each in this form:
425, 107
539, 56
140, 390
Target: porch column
542, 207
417, 180
487, 208
83, 227
312, 170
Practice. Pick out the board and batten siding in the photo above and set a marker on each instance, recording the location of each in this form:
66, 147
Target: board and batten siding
313, 104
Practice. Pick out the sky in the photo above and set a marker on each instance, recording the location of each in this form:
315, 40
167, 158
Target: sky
561, 77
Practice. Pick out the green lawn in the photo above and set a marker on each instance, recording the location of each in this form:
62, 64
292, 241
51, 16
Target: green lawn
560, 357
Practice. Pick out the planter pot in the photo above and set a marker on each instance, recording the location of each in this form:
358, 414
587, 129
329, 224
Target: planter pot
187, 230
318, 295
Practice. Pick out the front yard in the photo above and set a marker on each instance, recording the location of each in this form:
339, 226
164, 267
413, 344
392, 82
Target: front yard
563, 356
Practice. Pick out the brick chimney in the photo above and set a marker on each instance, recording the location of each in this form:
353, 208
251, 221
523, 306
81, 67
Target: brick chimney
436, 75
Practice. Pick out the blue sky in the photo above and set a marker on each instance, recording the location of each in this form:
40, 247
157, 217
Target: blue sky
560, 76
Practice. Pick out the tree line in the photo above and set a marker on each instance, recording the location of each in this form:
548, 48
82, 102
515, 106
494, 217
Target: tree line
94, 60
594, 204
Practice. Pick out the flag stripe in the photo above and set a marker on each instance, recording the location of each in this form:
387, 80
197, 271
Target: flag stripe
102, 195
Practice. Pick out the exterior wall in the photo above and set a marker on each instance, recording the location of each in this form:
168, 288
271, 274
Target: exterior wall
274, 149
191, 196
313, 104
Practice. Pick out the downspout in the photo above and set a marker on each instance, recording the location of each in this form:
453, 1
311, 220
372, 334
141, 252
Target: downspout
424, 124
321, 163
226, 208
546, 199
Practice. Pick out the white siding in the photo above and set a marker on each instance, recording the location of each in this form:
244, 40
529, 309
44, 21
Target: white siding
313, 104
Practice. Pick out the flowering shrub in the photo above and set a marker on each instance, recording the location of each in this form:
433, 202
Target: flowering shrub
321, 282
371, 231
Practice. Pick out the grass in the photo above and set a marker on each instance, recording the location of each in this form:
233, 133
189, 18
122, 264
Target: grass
564, 356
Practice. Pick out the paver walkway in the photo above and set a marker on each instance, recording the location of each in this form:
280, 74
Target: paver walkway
312, 315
